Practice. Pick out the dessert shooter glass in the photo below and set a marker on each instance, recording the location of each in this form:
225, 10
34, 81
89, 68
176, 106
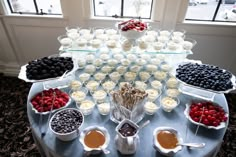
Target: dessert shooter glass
86, 106
65, 41
104, 108
151, 108
78, 98
168, 103
99, 96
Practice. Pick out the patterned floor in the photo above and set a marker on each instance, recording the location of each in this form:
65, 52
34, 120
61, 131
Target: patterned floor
15, 133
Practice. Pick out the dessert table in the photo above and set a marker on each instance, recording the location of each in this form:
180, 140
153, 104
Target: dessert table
50, 146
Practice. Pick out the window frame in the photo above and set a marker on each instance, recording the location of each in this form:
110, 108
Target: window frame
8, 4
122, 12
220, 2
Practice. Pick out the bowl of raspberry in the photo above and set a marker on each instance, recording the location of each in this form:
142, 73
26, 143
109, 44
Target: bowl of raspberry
207, 114
132, 29
49, 100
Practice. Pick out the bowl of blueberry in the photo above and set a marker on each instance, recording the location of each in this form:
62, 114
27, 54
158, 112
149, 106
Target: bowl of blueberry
205, 76
65, 124
46, 68
206, 113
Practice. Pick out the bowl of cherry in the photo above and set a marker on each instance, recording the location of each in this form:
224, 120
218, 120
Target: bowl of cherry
132, 29
206, 113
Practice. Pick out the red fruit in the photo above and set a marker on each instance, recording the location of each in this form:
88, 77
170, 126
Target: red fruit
205, 121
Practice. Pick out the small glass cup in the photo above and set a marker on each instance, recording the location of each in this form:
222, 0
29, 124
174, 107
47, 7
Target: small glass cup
158, 45
172, 82
150, 108
98, 63
144, 76
72, 29
188, 44
108, 86
81, 42
86, 106
104, 108
65, 41
84, 77
81, 63
92, 86
99, 96
78, 95
172, 92
73, 35
130, 76
160, 75
168, 103
99, 76
121, 69
90, 69
115, 76
153, 94
106, 69
156, 84
151, 68
140, 85
74, 84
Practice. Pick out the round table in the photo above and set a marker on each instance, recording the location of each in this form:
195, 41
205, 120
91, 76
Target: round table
49, 145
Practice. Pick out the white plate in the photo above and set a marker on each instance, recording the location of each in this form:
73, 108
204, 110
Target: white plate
53, 110
186, 112
233, 80
22, 74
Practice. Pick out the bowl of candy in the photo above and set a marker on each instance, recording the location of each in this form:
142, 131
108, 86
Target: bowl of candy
132, 29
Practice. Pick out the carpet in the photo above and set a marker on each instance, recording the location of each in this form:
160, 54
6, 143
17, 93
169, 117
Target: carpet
15, 133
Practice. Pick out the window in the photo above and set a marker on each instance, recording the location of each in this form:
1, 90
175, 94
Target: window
123, 8
212, 10
40, 7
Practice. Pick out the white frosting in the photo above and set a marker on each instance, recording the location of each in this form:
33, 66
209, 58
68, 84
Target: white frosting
168, 103
152, 94
78, 96
130, 76
160, 75
156, 84
92, 85
99, 76
104, 108
74, 85
144, 76
84, 77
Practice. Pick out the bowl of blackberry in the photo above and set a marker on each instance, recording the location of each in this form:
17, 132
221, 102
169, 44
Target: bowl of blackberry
207, 77
46, 68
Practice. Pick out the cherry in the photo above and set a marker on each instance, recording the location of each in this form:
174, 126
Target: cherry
207, 113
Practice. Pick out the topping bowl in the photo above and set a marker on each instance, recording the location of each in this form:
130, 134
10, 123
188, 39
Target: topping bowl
158, 144
96, 150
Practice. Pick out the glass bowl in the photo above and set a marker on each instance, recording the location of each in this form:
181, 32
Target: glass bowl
86, 106
78, 95
104, 108
150, 108
99, 96
168, 103
188, 44
65, 41
153, 94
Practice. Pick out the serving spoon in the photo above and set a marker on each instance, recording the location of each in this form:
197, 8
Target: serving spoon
193, 145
